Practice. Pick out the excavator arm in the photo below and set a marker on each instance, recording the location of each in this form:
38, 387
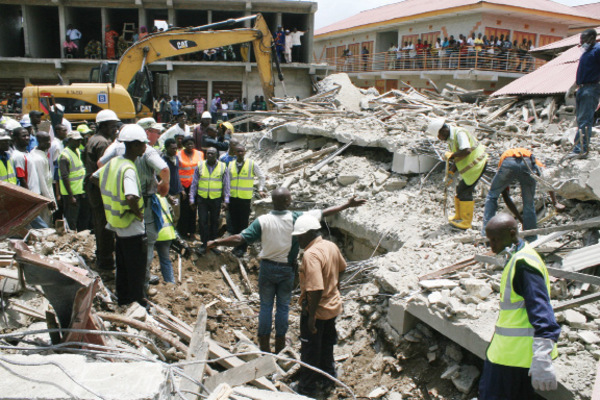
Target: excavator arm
180, 41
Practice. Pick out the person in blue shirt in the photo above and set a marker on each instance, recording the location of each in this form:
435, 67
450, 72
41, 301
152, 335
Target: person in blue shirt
175, 106
587, 84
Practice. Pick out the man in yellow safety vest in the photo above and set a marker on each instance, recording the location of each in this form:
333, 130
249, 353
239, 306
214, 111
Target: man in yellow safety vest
470, 159
210, 189
72, 172
524, 341
7, 169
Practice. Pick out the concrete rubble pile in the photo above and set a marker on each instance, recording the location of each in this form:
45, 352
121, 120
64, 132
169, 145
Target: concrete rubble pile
402, 233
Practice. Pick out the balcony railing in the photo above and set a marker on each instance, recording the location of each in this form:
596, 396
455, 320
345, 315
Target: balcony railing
509, 61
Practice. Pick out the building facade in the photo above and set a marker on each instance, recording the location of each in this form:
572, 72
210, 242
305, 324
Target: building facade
361, 45
33, 33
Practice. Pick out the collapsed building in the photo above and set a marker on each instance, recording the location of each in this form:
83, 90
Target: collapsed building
420, 298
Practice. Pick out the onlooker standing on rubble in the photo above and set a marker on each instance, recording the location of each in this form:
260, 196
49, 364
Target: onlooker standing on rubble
123, 203
175, 188
587, 84
201, 129
189, 158
175, 106
278, 261
7, 169
19, 155
107, 122
524, 342
40, 177
321, 302
520, 165
72, 172
470, 159
230, 155
211, 140
210, 189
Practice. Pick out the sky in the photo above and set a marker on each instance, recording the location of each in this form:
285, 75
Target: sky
331, 11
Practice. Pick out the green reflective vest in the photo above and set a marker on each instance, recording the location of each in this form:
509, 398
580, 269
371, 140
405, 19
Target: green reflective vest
242, 181
76, 172
112, 175
210, 185
7, 172
513, 338
471, 166
168, 230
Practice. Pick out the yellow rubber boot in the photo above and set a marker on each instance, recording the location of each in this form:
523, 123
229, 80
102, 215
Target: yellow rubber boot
466, 215
456, 215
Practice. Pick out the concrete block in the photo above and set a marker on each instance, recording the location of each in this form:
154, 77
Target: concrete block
574, 318
412, 164
398, 318
468, 374
283, 135
118, 380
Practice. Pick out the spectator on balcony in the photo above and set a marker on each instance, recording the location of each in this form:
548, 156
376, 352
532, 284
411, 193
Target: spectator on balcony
255, 106
399, 55
528, 57
365, 57
452, 51
437, 52
478, 49
391, 56
70, 48
471, 50
110, 41
288, 47
263, 103
419, 48
347, 55
93, 49
74, 35
122, 46
143, 33
405, 55
296, 43
209, 55
280, 43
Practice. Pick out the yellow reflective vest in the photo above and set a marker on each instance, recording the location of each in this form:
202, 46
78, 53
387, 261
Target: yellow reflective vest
471, 166
76, 172
7, 172
112, 175
513, 337
242, 181
168, 230
210, 185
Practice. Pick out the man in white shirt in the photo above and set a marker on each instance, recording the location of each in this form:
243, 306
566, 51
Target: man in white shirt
73, 34
296, 43
40, 178
180, 128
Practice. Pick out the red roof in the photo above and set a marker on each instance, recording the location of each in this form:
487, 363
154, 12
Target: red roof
554, 77
408, 8
592, 10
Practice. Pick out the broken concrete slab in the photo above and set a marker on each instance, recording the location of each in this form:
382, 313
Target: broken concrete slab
467, 376
404, 163
113, 381
432, 284
575, 319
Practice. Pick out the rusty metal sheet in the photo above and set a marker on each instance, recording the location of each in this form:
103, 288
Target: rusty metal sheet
18, 206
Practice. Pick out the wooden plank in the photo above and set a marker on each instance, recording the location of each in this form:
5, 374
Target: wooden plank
304, 158
590, 298
221, 393
578, 226
461, 264
245, 278
532, 105
330, 157
216, 351
198, 350
250, 371
576, 276
236, 291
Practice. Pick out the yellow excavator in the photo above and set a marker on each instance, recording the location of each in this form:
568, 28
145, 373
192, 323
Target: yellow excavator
128, 89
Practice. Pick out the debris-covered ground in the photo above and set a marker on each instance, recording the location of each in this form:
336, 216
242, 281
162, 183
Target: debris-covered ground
420, 298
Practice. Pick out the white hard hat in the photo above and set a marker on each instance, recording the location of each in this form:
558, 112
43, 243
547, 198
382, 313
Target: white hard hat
106, 115
4, 135
74, 135
133, 133
206, 114
150, 123
305, 223
435, 125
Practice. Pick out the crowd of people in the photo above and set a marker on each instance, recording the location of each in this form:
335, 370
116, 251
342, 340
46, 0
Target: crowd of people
474, 51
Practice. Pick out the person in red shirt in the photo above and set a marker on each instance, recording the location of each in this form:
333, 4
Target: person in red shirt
110, 38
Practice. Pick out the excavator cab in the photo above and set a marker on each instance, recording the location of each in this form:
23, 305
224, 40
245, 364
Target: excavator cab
104, 73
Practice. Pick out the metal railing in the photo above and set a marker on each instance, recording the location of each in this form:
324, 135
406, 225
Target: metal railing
508, 61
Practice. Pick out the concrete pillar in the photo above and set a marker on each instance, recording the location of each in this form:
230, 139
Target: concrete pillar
62, 26
104, 20
141, 17
309, 39
209, 16
209, 93
278, 20
26, 32
171, 17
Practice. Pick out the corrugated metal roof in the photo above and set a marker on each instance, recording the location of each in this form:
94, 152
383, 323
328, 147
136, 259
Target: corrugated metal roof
409, 8
593, 9
582, 258
555, 77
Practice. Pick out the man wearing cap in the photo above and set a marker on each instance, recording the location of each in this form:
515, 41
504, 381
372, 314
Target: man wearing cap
200, 129
321, 302
278, 260
150, 165
180, 128
107, 122
470, 159
123, 203
35, 118
72, 173
7, 169
152, 128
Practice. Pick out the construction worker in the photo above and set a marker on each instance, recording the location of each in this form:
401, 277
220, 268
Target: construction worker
277, 260
524, 342
150, 166
321, 302
242, 173
209, 190
72, 172
124, 206
163, 241
520, 165
7, 169
225, 129
470, 159
107, 123
189, 158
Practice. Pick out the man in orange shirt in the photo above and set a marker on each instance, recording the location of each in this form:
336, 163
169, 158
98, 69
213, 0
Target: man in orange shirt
321, 302
189, 158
